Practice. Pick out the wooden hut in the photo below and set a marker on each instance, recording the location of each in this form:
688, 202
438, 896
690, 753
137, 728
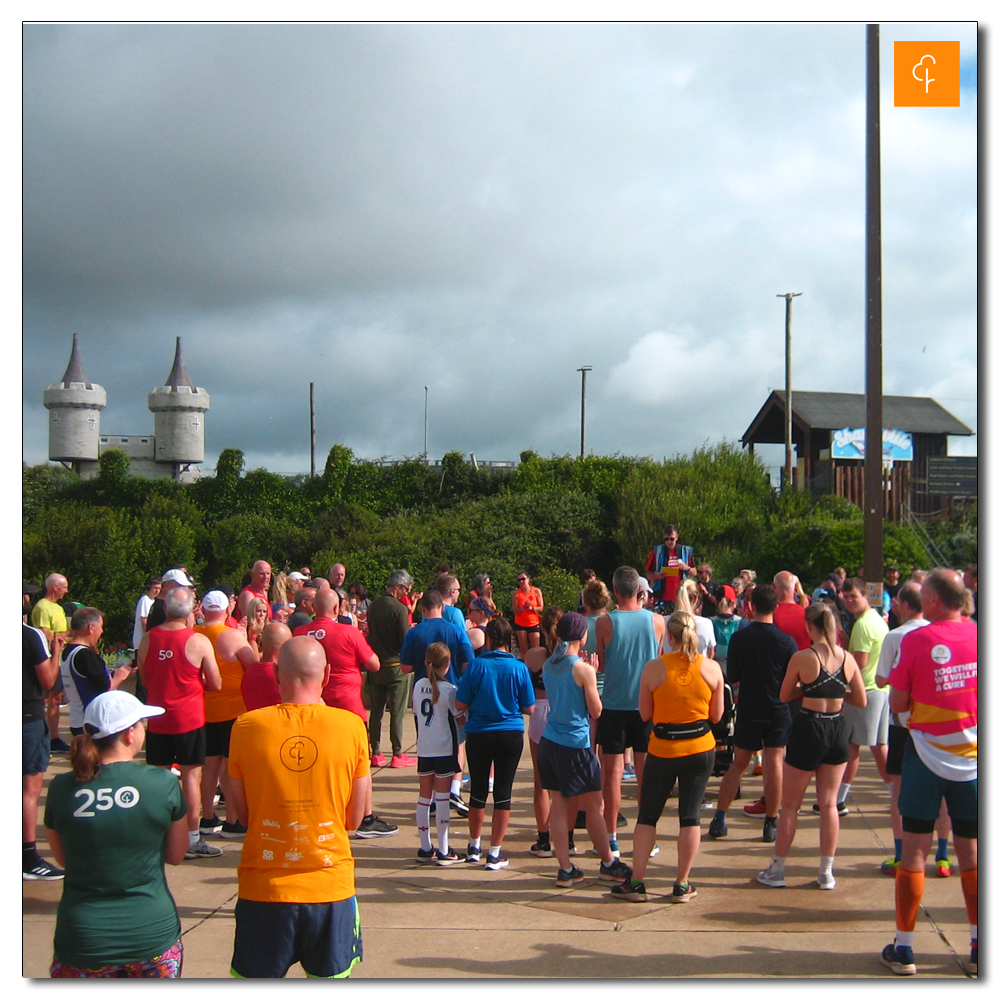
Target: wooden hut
817, 416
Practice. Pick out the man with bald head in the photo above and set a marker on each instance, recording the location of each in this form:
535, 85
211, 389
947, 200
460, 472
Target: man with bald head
259, 686
48, 616
300, 780
789, 615
260, 580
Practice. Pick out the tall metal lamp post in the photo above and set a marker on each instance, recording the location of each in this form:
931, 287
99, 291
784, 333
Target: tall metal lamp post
583, 408
788, 296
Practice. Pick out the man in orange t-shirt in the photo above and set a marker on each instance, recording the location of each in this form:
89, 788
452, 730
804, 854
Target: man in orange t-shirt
300, 778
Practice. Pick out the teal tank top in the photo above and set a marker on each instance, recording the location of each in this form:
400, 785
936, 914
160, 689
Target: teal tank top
568, 721
633, 644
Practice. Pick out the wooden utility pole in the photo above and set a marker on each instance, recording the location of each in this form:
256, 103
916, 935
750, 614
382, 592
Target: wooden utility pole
789, 463
873, 320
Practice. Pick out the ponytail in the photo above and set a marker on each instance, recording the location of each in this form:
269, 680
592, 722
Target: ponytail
820, 615
85, 756
681, 627
438, 655
549, 619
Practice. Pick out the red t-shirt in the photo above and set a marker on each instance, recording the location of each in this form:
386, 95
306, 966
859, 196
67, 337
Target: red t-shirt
791, 619
346, 652
173, 682
259, 686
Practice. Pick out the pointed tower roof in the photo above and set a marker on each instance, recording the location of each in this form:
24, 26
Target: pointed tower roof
74, 370
178, 374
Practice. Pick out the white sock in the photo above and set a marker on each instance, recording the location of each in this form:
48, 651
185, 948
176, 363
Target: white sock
474, 843
842, 794
905, 938
441, 819
778, 864
456, 786
826, 864
424, 823
494, 851
193, 837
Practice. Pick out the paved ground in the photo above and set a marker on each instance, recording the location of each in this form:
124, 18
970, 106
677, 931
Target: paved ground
516, 923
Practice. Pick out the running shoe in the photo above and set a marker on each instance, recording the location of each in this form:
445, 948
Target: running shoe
233, 831
403, 760
574, 875
629, 774
899, 959
973, 965
758, 808
770, 829
201, 848
41, 871
451, 858
616, 871
58, 746
458, 804
889, 866
473, 855
494, 862
758, 770
622, 821
772, 876
842, 809
944, 868
375, 827
683, 891
655, 850
826, 880
426, 857
717, 828
211, 825
378, 760
541, 849
572, 847
630, 889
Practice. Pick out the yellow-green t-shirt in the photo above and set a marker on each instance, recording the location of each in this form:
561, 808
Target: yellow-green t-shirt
48, 614
297, 764
866, 637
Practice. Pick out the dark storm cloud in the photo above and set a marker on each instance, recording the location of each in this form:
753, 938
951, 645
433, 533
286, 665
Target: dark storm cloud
480, 209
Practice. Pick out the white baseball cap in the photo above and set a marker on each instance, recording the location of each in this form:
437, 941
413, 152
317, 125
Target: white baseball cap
177, 576
215, 600
115, 711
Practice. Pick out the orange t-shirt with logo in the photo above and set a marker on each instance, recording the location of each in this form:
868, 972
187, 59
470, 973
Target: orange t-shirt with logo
297, 764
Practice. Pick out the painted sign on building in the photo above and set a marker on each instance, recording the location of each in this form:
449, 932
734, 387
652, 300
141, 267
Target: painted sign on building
849, 442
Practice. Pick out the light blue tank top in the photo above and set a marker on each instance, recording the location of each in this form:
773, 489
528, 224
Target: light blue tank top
568, 722
633, 644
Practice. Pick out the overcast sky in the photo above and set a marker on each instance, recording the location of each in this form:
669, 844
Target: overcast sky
482, 210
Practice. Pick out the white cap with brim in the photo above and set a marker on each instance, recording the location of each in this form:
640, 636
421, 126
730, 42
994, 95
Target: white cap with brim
215, 600
115, 711
177, 576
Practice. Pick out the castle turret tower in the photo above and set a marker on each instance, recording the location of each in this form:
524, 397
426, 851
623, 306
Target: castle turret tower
179, 410
74, 406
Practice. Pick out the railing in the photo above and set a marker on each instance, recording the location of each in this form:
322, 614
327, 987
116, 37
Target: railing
913, 523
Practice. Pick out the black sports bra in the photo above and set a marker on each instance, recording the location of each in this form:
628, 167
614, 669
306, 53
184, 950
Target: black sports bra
826, 685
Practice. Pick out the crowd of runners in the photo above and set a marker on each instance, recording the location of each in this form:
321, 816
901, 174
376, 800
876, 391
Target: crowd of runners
261, 713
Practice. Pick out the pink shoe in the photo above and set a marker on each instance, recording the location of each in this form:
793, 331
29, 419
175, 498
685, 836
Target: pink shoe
402, 760
378, 760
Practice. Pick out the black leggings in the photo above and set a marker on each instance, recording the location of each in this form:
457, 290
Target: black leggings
658, 777
500, 749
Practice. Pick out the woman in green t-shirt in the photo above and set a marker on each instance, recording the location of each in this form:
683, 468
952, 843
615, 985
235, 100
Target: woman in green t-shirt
112, 823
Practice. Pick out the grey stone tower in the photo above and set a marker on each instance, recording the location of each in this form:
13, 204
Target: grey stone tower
74, 406
179, 409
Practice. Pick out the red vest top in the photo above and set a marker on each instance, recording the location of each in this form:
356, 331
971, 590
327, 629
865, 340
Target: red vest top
173, 682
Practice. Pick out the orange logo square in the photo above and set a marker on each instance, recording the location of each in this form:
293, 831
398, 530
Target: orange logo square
925, 75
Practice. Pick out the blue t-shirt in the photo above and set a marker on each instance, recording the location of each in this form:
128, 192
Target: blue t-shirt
431, 630
497, 687
452, 614
633, 644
